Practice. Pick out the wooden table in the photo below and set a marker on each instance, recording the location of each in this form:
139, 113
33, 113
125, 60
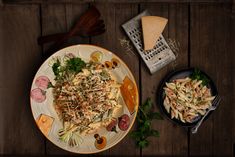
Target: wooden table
205, 30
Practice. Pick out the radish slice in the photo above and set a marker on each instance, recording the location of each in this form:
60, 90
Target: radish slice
124, 122
38, 95
42, 82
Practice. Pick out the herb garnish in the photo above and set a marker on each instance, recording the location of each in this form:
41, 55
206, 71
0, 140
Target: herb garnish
197, 75
55, 67
144, 124
74, 65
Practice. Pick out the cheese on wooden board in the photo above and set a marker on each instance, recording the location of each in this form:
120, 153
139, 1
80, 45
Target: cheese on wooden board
152, 27
44, 123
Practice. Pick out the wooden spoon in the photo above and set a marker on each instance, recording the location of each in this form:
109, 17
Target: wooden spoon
88, 22
97, 29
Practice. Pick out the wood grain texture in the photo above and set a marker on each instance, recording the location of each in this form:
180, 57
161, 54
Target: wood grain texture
53, 20
232, 39
173, 139
211, 51
114, 16
19, 59
233, 72
233, 11
110, 1
165, 1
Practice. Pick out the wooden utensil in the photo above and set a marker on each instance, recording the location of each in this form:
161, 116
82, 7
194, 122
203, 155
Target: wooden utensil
97, 29
88, 23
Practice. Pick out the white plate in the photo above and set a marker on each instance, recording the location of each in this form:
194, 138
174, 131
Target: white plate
46, 107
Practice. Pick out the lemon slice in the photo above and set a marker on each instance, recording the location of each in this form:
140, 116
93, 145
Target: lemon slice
96, 56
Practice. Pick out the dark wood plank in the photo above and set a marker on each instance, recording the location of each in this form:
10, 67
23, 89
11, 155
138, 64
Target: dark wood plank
53, 20
232, 39
114, 16
73, 12
211, 52
233, 8
60, 18
165, 1
19, 59
110, 1
45, 1
173, 139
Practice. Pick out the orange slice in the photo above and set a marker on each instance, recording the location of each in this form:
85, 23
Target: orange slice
129, 94
44, 123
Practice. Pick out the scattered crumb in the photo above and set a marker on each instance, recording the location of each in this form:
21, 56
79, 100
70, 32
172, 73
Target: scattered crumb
125, 43
175, 47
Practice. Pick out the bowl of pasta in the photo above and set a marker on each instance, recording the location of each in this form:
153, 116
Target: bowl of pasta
185, 95
84, 99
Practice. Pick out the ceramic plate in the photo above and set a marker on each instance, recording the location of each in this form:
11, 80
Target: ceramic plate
45, 106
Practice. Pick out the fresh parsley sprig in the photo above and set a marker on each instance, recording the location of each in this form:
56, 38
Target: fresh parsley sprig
197, 75
75, 64
144, 129
56, 67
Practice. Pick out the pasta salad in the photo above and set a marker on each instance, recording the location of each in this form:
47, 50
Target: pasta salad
186, 99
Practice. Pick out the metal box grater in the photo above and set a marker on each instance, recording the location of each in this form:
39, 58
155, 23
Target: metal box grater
156, 58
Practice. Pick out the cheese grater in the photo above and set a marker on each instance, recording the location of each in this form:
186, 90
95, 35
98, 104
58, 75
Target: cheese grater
156, 58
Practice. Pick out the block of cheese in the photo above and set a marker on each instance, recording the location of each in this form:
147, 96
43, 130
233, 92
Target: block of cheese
152, 27
44, 123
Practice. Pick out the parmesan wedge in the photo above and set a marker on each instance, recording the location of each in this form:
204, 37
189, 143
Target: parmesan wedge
152, 27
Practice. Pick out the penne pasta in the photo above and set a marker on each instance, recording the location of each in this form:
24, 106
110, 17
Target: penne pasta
171, 85
166, 105
186, 99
